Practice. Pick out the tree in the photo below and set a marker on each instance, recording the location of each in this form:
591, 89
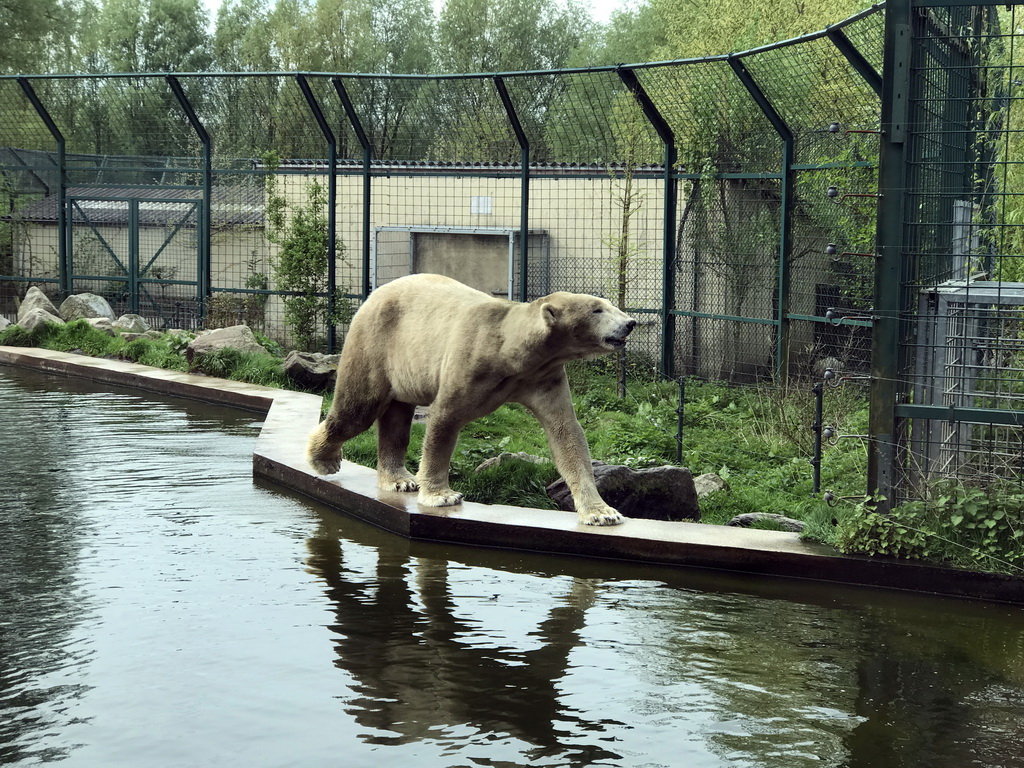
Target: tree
155, 36
24, 26
485, 36
696, 29
142, 116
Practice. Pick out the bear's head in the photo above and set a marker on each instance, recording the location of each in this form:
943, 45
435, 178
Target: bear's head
585, 325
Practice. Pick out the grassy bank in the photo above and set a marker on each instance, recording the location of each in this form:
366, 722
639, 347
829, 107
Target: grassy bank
759, 439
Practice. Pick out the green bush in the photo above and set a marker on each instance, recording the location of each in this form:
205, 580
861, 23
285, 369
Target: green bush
961, 526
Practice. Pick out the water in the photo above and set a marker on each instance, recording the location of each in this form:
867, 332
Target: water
159, 609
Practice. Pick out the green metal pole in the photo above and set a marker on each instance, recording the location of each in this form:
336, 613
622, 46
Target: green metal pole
364, 142
332, 202
133, 256
892, 177
524, 185
204, 269
786, 214
668, 257
63, 233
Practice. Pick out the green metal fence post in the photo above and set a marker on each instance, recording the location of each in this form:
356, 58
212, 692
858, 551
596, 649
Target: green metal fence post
856, 59
204, 269
885, 366
332, 204
788, 198
668, 259
524, 181
63, 268
364, 142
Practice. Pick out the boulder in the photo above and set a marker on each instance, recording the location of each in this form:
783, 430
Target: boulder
709, 483
37, 317
35, 299
128, 336
85, 305
655, 493
238, 337
501, 458
131, 324
4, 322
781, 521
311, 370
101, 324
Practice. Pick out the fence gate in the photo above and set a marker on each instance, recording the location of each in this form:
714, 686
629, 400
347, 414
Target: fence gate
142, 253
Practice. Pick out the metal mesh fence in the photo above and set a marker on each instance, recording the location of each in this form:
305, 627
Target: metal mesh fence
730, 203
957, 372
279, 200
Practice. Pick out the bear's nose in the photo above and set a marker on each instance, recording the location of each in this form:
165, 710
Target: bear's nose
630, 326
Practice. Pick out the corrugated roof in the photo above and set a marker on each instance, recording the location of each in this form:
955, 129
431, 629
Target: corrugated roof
235, 205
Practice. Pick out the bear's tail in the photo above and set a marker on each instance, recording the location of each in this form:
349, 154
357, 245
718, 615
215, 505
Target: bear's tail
322, 453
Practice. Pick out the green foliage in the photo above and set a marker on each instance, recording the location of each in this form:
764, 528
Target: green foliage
514, 482
962, 526
301, 265
253, 367
16, 336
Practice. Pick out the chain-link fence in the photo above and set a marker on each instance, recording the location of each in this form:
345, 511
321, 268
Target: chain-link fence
948, 385
730, 203
692, 193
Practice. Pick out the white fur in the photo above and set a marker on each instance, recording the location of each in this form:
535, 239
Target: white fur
430, 340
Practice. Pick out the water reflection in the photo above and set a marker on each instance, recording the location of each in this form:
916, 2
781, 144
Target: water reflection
421, 670
170, 612
670, 667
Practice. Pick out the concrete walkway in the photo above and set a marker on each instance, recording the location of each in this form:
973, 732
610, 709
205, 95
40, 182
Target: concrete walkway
291, 416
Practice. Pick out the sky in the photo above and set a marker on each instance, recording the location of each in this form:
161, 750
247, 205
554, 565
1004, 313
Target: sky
601, 10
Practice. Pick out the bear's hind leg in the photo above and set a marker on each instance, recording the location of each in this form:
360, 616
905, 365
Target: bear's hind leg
392, 443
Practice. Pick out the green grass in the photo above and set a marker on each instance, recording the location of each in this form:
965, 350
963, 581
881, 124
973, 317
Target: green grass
758, 438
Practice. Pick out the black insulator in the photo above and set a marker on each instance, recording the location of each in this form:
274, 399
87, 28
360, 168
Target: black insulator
829, 374
827, 433
831, 250
832, 191
834, 127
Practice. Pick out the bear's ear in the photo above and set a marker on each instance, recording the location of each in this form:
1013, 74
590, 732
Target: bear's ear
549, 312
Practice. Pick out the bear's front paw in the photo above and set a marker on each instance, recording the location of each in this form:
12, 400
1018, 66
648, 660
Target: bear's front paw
446, 498
398, 484
324, 464
603, 515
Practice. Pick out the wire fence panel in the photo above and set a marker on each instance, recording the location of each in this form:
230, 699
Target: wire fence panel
737, 205
958, 371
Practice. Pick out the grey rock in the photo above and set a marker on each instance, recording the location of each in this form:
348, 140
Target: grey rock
501, 458
101, 324
784, 523
709, 483
37, 317
129, 336
655, 493
35, 299
4, 322
85, 305
311, 370
132, 324
238, 337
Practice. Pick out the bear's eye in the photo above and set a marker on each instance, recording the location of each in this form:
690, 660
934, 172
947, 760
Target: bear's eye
598, 311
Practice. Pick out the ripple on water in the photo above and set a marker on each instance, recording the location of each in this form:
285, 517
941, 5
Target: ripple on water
157, 608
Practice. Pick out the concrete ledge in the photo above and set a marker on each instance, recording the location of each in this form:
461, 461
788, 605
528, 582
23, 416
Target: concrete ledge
280, 456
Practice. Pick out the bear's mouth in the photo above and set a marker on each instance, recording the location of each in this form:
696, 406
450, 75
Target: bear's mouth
614, 341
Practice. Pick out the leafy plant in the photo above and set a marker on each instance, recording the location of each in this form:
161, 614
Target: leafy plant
301, 265
962, 526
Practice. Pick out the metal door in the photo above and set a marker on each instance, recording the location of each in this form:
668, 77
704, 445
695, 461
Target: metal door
140, 253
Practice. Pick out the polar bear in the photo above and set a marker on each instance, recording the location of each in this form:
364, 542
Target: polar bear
427, 339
